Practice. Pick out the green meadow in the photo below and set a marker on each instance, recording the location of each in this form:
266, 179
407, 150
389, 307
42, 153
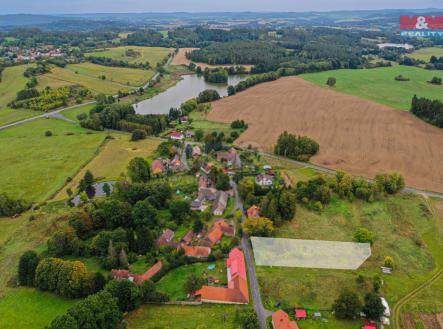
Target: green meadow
380, 86
12, 81
425, 54
34, 166
153, 55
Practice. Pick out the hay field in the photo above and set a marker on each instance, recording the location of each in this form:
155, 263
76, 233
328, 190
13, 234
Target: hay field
113, 159
12, 81
65, 77
356, 135
425, 54
180, 59
153, 55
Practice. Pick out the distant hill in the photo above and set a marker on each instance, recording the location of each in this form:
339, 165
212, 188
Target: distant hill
27, 19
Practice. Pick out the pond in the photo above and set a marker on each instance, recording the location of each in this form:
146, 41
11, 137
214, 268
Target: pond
189, 87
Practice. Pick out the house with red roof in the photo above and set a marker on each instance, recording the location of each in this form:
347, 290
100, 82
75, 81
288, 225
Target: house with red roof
165, 239
281, 320
369, 326
176, 135
237, 291
196, 251
253, 212
219, 229
300, 314
137, 278
157, 167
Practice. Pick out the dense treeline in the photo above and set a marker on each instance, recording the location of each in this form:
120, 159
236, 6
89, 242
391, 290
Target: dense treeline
252, 81
435, 63
265, 56
148, 38
11, 207
106, 61
429, 110
296, 147
110, 115
217, 75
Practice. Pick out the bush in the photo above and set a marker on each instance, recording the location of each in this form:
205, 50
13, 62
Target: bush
48, 133
331, 81
26, 268
347, 305
296, 147
363, 235
208, 95
138, 134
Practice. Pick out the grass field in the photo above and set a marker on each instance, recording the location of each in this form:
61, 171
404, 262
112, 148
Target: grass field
152, 55
26, 308
174, 281
13, 115
404, 230
88, 77
34, 166
113, 159
12, 81
379, 84
183, 317
72, 114
425, 54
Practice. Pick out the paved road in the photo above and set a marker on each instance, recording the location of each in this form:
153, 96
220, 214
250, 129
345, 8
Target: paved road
262, 313
184, 159
333, 172
45, 115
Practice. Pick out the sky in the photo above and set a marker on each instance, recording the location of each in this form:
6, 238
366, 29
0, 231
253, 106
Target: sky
126, 6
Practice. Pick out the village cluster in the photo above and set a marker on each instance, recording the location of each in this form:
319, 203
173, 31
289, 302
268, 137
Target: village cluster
19, 55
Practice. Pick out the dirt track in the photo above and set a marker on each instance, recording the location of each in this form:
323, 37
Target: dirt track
356, 135
180, 59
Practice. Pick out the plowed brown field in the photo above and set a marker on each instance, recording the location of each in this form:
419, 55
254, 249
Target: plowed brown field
356, 135
180, 59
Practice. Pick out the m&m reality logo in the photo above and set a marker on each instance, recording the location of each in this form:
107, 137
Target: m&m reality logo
421, 26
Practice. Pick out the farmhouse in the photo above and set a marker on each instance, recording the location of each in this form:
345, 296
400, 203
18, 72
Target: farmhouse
188, 237
281, 320
137, 278
237, 291
220, 227
231, 158
253, 212
157, 167
176, 135
196, 251
264, 179
220, 203
165, 239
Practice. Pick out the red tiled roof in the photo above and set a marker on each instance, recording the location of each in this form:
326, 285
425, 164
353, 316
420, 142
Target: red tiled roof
149, 273
157, 167
237, 291
188, 237
176, 134
280, 320
215, 235
253, 211
370, 326
197, 251
300, 313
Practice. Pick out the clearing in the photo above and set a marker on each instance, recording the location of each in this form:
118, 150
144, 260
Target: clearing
176, 316
180, 59
113, 159
379, 85
153, 55
34, 166
425, 54
356, 135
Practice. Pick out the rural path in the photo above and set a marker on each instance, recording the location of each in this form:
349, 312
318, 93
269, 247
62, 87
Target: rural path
333, 172
184, 159
262, 313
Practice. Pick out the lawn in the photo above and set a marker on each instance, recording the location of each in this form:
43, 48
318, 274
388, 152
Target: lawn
425, 54
12, 81
14, 115
152, 55
113, 159
379, 85
34, 166
26, 308
183, 317
174, 281
72, 114
404, 229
